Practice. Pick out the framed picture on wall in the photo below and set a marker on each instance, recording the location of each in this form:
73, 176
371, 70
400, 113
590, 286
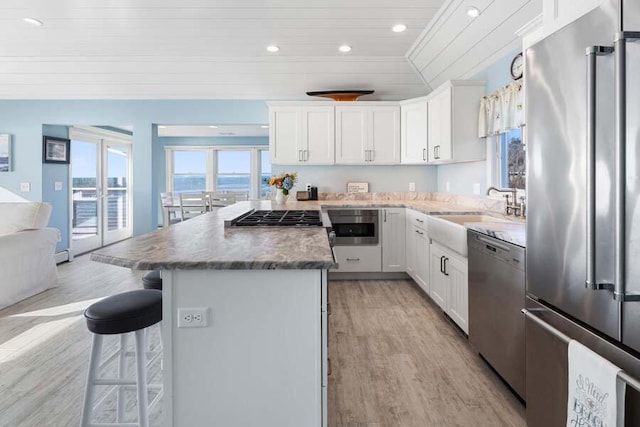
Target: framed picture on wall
55, 150
5, 153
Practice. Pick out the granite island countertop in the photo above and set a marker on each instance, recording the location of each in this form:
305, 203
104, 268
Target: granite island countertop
204, 243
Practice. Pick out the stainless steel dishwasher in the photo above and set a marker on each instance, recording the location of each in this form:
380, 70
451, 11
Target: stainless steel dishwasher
496, 296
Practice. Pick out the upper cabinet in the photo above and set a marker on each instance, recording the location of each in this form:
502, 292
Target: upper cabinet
302, 134
443, 127
414, 131
367, 134
558, 13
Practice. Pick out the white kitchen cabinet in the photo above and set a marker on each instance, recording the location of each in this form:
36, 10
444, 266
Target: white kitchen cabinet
449, 286
368, 134
417, 248
558, 13
358, 259
300, 134
453, 123
393, 239
413, 136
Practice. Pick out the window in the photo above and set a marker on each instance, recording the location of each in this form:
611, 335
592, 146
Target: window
512, 160
189, 171
265, 168
194, 169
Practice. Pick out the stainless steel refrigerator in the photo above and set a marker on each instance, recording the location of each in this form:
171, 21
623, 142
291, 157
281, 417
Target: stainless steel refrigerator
583, 226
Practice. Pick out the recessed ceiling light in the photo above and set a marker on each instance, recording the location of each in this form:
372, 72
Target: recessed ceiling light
273, 48
264, 126
213, 127
345, 48
399, 28
162, 127
33, 21
473, 11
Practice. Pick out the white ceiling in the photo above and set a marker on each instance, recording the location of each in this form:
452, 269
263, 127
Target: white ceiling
200, 131
208, 49
455, 46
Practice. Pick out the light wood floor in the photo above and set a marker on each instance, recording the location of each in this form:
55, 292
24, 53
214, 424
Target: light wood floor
396, 361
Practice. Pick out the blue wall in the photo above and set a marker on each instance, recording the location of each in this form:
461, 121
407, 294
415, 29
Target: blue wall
462, 176
24, 120
59, 199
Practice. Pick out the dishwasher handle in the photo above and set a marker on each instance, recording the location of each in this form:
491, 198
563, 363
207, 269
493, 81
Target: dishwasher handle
493, 243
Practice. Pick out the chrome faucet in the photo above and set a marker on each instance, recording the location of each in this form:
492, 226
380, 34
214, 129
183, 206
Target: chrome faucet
511, 206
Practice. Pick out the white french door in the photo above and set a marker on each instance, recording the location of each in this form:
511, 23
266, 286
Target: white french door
101, 189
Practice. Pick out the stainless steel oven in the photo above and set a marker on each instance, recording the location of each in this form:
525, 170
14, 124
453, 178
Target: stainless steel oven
355, 226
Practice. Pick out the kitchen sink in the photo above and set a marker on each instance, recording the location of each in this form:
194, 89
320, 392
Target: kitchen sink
449, 230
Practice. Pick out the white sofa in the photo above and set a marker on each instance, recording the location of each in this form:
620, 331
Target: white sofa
27, 247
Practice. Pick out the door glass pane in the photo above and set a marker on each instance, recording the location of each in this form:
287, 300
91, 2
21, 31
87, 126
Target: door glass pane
189, 171
234, 171
117, 197
84, 169
513, 159
265, 167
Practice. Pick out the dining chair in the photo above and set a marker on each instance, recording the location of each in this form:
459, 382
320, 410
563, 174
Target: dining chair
240, 196
169, 209
218, 199
192, 205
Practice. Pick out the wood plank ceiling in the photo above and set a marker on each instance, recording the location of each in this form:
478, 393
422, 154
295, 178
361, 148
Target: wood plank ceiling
456, 46
203, 49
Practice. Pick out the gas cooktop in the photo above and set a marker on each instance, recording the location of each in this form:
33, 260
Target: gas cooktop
278, 218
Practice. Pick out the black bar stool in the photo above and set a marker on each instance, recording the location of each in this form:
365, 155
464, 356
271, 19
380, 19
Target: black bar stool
152, 280
121, 314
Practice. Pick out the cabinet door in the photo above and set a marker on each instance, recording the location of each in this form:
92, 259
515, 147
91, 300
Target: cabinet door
458, 290
439, 126
438, 285
414, 133
383, 135
410, 243
358, 259
393, 239
422, 259
284, 135
318, 135
351, 135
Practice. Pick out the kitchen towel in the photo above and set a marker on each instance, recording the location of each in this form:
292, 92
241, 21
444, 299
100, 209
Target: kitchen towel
596, 395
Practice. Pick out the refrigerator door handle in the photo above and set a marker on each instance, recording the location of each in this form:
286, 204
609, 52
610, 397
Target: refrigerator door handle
592, 54
620, 44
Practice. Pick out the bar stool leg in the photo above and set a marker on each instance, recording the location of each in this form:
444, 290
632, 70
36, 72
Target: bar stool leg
122, 374
94, 363
141, 372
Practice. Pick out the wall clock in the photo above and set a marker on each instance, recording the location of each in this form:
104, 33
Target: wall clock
517, 67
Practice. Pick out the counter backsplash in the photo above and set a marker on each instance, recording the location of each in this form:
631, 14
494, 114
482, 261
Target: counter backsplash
478, 203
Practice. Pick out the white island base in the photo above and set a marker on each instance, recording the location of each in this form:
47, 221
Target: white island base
262, 358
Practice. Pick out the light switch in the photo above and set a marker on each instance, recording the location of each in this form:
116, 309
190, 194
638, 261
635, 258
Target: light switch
25, 187
476, 188
412, 186
58, 186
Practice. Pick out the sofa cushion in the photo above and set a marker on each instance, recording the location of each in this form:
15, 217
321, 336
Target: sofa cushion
19, 216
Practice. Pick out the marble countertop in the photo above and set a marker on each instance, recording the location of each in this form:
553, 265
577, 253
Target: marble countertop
204, 243
513, 232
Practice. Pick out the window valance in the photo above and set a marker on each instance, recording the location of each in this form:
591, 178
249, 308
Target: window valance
502, 110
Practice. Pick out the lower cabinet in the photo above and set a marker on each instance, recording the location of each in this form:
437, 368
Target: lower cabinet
393, 240
417, 249
449, 285
358, 259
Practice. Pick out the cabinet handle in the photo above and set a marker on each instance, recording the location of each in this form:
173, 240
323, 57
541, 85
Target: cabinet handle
353, 259
371, 155
436, 152
419, 220
300, 158
419, 232
328, 309
424, 155
445, 266
328, 366
306, 155
385, 215
441, 262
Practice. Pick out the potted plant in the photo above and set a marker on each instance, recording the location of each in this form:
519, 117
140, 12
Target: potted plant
283, 183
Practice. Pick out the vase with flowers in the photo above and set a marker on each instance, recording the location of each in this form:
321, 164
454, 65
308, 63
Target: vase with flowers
283, 183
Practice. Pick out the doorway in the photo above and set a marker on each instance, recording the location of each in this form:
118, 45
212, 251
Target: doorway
101, 198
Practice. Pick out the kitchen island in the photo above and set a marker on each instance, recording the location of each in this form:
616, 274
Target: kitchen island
261, 358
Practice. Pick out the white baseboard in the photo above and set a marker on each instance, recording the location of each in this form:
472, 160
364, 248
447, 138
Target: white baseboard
62, 256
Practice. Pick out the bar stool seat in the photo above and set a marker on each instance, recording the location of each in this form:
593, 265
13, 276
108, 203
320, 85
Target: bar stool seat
121, 314
152, 280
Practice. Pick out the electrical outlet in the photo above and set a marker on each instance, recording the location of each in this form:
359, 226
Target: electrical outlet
25, 187
58, 186
193, 317
412, 186
476, 188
